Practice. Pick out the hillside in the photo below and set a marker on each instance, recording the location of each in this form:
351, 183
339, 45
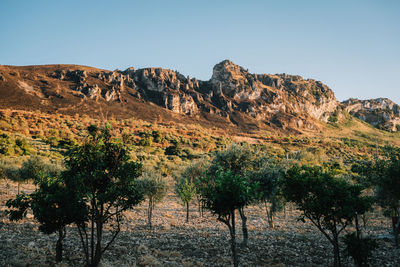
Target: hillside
233, 97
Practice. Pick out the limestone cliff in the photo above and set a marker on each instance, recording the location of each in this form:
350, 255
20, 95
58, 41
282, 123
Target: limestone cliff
380, 112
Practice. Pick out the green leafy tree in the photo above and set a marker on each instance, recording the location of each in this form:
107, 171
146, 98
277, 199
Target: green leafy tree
103, 177
268, 176
52, 206
186, 189
330, 203
187, 183
239, 159
154, 189
223, 192
384, 174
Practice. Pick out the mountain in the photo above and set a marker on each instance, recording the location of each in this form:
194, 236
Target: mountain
232, 97
380, 112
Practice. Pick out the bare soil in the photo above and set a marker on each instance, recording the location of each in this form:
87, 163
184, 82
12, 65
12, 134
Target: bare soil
201, 242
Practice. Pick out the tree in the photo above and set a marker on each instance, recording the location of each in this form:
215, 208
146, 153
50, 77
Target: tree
186, 189
330, 203
239, 159
384, 175
102, 176
154, 189
35, 168
186, 186
224, 192
267, 176
52, 206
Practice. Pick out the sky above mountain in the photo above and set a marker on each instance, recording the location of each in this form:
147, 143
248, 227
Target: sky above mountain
352, 46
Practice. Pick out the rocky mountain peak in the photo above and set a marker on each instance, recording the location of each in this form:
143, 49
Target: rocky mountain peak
382, 113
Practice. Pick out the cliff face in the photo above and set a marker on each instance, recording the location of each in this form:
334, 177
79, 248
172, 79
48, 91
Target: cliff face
380, 112
232, 94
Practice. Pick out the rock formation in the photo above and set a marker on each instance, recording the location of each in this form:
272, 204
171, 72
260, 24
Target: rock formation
380, 112
233, 93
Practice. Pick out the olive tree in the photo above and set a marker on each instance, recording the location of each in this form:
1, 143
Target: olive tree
267, 175
329, 202
186, 190
154, 189
103, 177
223, 192
187, 183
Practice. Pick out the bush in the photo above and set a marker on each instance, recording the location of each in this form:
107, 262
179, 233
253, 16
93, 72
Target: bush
359, 248
23, 145
174, 149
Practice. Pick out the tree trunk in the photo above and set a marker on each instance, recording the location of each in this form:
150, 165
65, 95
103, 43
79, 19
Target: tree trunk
98, 251
92, 241
270, 218
150, 213
244, 226
233, 240
284, 212
199, 204
187, 212
59, 246
396, 225
336, 251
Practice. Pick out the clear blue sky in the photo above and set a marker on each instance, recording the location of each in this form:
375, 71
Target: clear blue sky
352, 46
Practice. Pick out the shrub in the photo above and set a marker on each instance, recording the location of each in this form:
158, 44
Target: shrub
359, 248
174, 149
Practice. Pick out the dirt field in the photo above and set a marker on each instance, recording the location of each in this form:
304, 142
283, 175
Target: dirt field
201, 242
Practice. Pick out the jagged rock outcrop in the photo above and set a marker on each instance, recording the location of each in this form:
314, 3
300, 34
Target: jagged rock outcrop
233, 94
380, 112
266, 96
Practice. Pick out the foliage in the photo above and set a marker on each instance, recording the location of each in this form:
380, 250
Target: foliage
174, 149
186, 187
384, 174
359, 248
35, 168
102, 176
52, 206
154, 188
267, 176
239, 159
223, 192
330, 203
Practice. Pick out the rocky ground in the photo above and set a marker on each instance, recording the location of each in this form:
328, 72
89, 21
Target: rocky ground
202, 242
